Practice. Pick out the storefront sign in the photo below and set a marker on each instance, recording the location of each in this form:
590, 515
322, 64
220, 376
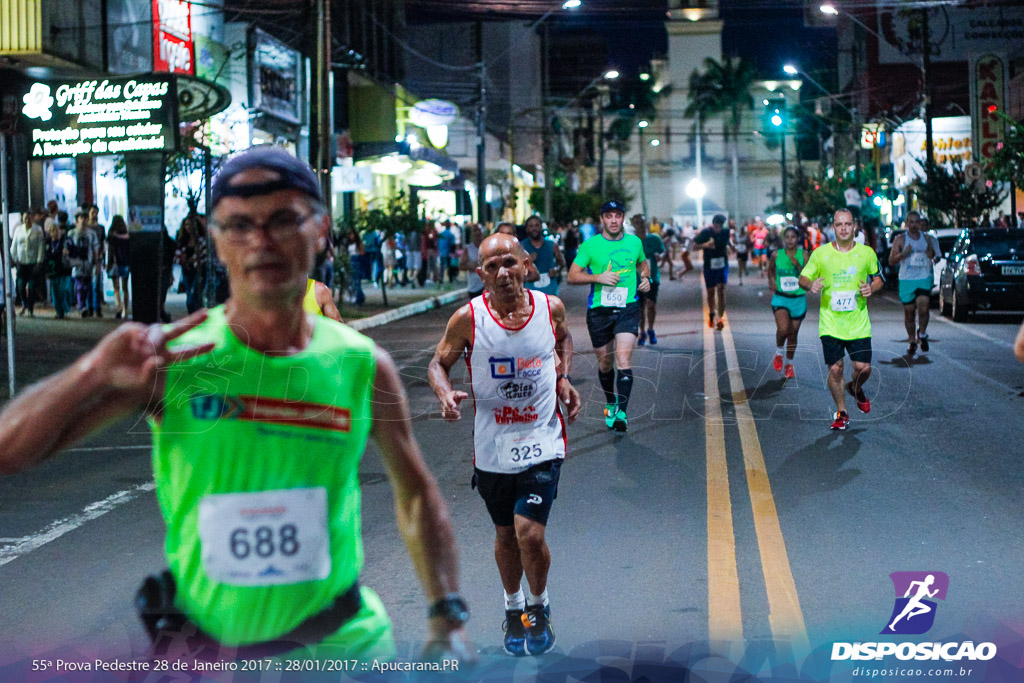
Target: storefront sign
951, 138
275, 77
989, 101
872, 135
351, 178
173, 50
955, 32
427, 113
109, 116
144, 218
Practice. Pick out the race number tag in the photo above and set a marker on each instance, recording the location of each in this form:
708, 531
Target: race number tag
267, 538
544, 281
844, 302
789, 284
614, 296
718, 263
919, 259
520, 450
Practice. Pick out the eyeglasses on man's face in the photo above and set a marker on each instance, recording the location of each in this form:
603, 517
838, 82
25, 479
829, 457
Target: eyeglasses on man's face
279, 225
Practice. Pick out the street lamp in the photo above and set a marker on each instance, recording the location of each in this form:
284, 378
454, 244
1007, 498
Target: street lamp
611, 74
643, 124
791, 70
696, 190
924, 65
546, 135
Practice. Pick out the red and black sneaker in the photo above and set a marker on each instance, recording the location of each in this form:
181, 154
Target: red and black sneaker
841, 421
790, 372
863, 404
777, 362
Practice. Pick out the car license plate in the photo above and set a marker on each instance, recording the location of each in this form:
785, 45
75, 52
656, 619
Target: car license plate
1013, 270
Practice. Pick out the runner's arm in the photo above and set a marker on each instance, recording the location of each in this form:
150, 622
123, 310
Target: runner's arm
457, 339
325, 300
771, 275
118, 377
896, 253
564, 352
420, 509
1018, 346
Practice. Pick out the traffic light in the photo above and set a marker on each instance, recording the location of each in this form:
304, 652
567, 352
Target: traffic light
773, 120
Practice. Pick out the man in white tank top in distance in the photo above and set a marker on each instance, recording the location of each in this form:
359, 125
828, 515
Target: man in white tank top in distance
915, 252
518, 350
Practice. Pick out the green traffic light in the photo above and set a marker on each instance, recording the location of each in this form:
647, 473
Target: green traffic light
776, 120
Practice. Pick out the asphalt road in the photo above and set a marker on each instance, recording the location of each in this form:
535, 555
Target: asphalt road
728, 521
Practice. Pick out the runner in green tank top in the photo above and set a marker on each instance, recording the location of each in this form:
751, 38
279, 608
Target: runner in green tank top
260, 415
789, 301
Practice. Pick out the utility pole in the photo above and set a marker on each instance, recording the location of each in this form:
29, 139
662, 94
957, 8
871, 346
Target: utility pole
5, 277
601, 142
549, 176
643, 173
784, 181
481, 126
926, 63
699, 200
322, 116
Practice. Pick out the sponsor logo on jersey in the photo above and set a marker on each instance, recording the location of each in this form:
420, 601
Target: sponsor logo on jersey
503, 368
508, 415
271, 411
517, 389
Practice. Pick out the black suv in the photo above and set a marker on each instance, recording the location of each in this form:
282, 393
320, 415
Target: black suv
985, 270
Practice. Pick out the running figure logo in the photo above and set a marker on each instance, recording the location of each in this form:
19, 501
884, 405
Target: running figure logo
914, 613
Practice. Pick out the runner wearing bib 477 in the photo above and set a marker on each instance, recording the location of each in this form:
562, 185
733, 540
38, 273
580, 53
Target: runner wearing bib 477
789, 301
845, 274
614, 265
518, 350
915, 253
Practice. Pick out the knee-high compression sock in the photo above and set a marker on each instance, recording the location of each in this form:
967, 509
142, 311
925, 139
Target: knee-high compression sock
624, 383
608, 384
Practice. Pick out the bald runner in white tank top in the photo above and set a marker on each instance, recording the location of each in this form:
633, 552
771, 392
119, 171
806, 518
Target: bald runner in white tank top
513, 373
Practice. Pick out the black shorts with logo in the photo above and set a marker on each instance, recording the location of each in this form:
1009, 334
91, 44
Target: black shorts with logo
604, 322
529, 493
834, 349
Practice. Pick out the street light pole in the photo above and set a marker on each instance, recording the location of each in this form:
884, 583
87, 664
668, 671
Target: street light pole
481, 127
700, 178
784, 180
549, 178
643, 171
320, 144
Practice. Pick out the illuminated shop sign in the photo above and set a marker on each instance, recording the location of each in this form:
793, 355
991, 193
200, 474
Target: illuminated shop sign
109, 116
275, 77
989, 104
173, 49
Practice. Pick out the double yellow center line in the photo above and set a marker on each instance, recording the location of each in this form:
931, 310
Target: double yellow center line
725, 619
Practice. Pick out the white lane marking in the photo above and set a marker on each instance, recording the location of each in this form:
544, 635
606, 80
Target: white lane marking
107, 448
62, 526
937, 316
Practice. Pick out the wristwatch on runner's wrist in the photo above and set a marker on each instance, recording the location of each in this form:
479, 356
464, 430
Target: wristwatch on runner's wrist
565, 377
452, 608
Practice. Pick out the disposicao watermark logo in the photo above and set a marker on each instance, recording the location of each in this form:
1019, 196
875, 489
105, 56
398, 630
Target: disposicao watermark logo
38, 102
914, 614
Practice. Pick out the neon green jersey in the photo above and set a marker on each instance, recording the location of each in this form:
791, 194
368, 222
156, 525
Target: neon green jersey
844, 311
623, 255
256, 461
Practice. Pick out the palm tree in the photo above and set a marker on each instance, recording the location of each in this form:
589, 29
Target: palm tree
724, 87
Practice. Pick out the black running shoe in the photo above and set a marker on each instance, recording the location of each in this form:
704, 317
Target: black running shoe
539, 636
515, 632
924, 342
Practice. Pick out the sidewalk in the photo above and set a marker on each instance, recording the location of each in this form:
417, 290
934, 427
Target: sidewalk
44, 344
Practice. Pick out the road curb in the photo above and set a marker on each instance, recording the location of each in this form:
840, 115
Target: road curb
408, 310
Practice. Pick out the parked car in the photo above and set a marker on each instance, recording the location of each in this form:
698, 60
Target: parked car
984, 271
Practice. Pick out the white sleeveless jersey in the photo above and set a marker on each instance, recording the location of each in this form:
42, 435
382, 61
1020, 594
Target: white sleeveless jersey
516, 424
917, 266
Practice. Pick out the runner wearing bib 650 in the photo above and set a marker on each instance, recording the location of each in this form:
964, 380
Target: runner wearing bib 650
716, 245
789, 301
610, 263
845, 273
256, 468
915, 253
518, 351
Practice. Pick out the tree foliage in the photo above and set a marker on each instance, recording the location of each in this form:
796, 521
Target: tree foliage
950, 197
1008, 163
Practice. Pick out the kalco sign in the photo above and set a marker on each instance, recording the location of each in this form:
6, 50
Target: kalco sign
989, 101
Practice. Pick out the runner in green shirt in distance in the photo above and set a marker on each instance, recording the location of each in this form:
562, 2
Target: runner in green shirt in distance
614, 266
